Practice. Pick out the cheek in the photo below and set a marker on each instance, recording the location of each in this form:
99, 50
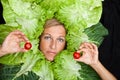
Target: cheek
61, 47
43, 46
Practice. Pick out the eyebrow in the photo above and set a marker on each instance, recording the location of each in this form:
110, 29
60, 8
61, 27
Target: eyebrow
46, 34
50, 35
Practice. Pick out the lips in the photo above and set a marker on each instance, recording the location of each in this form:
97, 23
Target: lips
51, 52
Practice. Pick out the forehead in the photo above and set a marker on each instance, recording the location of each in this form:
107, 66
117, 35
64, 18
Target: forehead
58, 29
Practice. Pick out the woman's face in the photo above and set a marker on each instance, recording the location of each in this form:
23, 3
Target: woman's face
52, 41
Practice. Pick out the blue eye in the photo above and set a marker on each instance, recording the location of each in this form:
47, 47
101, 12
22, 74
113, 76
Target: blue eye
47, 37
61, 40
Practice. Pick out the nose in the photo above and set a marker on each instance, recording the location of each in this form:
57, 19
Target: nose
53, 44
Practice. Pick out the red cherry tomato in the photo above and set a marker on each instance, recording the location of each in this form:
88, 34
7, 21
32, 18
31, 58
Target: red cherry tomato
76, 55
27, 45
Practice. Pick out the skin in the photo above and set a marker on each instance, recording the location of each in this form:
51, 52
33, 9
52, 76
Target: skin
90, 57
52, 41
12, 43
90, 53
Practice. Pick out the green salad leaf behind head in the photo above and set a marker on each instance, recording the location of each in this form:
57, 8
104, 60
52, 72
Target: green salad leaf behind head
81, 20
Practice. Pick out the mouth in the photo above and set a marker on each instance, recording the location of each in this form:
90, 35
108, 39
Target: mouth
51, 52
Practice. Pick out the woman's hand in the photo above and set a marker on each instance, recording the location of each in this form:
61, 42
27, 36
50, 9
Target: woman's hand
12, 43
90, 56
90, 53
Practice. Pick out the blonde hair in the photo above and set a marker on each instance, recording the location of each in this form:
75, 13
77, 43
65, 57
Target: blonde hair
52, 22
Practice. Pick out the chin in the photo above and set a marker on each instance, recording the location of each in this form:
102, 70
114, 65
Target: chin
50, 58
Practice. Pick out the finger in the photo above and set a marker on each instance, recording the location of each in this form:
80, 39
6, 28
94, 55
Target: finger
23, 38
81, 45
23, 50
94, 46
83, 51
95, 49
16, 32
20, 34
26, 39
85, 56
81, 59
20, 40
86, 45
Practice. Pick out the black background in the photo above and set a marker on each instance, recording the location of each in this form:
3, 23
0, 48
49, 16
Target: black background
110, 48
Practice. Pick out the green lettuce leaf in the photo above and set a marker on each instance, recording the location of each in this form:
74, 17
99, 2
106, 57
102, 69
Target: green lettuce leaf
87, 73
43, 69
94, 34
29, 62
66, 68
8, 72
82, 13
81, 19
25, 14
5, 30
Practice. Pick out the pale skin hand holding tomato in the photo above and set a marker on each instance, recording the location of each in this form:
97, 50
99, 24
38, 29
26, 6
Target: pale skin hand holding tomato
12, 43
90, 57
90, 53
